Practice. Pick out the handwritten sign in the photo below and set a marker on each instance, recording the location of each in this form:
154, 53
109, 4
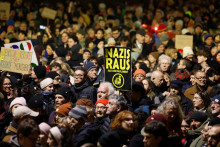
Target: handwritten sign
182, 41
49, 13
15, 60
4, 10
26, 46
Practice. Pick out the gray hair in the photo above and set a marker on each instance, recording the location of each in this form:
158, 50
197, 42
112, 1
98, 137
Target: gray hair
119, 100
110, 87
165, 57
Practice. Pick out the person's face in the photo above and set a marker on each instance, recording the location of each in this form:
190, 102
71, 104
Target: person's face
189, 57
92, 73
21, 37
165, 65
140, 38
102, 92
23, 27
213, 138
58, 118
171, 112
158, 81
197, 101
99, 34
94, 62
174, 55
174, 90
71, 42
33, 75
209, 41
74, 123
201, 59
128, 123
79, 77
167, 79
195, 124
150, 140
29, 141
192, 79
64, 38
7, 85
49, 88
139, 77
45, 38
91, 33
215, 108
201, 78
59, 100
86, 55
49, 50
218, 57
43, 138
124, 43
101, 45
50, 141
147, 39
151, 59
100, 110
115, 34
146, 85
161, 49
112, 108
56, 80
185, 127
205, 132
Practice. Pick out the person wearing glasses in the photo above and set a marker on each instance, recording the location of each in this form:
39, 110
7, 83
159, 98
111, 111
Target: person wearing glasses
201, 85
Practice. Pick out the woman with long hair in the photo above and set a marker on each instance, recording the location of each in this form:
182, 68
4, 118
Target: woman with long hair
201, 102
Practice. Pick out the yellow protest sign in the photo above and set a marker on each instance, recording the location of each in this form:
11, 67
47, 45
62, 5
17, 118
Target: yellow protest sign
49, 13
182, 41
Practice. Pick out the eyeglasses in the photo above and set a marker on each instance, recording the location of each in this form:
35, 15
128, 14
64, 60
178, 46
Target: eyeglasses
7, 84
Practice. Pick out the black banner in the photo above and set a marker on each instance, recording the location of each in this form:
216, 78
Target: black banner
118, 67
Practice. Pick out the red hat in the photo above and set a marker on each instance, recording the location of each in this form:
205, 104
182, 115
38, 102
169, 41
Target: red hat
162, 27
157, 117
181, 75
64, 109
140, 71
171, 35
150, 34
84, 102
103, 101
9, 27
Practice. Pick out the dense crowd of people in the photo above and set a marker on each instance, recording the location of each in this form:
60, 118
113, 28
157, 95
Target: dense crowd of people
65, 101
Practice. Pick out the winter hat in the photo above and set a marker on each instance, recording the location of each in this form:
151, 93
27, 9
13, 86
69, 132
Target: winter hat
64, 109
164, 37
18, 100
52, 74
24, 111
182, 75
10, 22
216, 98
111, 40
44, 127
187, 51
103, 101
89, 65
55, 132
207, 36
162, 27
86, 51
140, 71
179, 21
158, 44
35, 102
184, 31
199, 116
150, 34
78, 112
176, 83
40, 71
102, 5
157, 117
44, 83
155, 55
141, 32
84, 102
65, 92
10, 27
214, 121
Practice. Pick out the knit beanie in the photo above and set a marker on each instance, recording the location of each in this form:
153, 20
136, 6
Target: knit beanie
55, 132
199, 116
157, 117
158, 44
89, 65
214, 121
164, 37
140, 71
84, 102
111, 40
18, 100
65, 92
207, 36
141, 32
52, 74
44, 83
35, 102
216, 98
64, 109
187, 51
181, 75
44, 127
103, 101
78, 112
179, 21
162, 27
155, 55
40, 71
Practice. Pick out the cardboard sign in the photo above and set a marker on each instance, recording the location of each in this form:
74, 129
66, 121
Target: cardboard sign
4, 10
118, 67
15, 60
26, 46
49, 13
182, 41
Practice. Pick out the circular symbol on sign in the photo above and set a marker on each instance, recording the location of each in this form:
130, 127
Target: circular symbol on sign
118, 80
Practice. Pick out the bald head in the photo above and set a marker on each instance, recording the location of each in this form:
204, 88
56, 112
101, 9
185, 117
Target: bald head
157, 78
